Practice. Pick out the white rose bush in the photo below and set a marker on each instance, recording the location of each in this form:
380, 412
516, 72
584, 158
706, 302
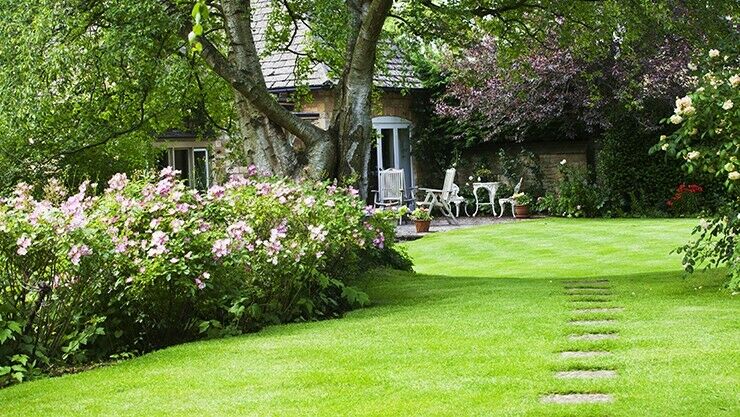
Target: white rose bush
150, 262
707, 122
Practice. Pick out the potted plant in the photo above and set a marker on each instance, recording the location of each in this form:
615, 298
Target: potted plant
422, 219
521, 209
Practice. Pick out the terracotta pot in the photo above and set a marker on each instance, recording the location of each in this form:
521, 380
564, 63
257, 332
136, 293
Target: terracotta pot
422, 226
521, 212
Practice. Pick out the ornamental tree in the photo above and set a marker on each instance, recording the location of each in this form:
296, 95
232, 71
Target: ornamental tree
707, 122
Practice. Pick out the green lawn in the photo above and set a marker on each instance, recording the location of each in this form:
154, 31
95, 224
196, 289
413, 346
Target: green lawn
475, 332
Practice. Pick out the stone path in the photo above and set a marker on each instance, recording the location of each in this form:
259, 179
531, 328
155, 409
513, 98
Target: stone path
587, 298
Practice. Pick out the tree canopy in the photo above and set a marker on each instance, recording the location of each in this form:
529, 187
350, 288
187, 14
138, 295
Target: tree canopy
87, 84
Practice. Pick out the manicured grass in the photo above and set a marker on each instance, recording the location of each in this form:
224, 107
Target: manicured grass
475, 332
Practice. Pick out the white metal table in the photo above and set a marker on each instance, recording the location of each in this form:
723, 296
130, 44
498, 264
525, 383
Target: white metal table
491, 187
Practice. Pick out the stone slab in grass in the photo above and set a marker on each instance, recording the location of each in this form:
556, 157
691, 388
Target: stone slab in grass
581, 354
599, 310
592, 322
582, 398
587, 287
588, 291
594, 336
590, 300
586, 374
586, 281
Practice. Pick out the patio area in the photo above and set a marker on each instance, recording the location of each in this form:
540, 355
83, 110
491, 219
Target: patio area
407, 231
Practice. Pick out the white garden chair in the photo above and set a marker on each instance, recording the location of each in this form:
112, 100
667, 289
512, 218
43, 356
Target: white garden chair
441, 197
456, 199
510, 200
391, 188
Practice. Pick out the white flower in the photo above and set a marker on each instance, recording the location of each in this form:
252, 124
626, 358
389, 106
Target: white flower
563, 162
676, 119
693, 155
664, 147
704, 224
734, 175
713, 53
470, 178
727, 105
735, 80
663, 137
729, 167
692, 66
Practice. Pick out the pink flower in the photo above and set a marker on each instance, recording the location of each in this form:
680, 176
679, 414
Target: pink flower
200, 283
174, 260
331, 189
176, 225
330, 203
353, 191
379, 241
309, 201
216, 192
252, 170
117, 182
318, 233
220, 248
263, 188
168, 172
155, 223
77, 252
159, 238
123, 243
369, 211
183, 207
23, 243
164, 186
238, 229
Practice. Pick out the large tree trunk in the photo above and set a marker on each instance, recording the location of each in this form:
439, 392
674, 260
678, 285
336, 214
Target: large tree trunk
353, 113
277, 140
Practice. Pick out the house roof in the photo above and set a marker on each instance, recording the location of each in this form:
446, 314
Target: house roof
279, 67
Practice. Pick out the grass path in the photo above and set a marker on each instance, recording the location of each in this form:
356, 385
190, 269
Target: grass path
476, 331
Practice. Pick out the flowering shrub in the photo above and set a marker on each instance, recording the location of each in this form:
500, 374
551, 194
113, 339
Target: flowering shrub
685, 200
707, 123
150, 262
577, 195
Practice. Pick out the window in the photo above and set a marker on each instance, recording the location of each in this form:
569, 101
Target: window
192, 163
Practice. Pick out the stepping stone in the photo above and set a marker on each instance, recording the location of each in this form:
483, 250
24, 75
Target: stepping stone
589, 294
590, 300
594, 336
586, 374
577, 398
587, 287
579, 354
587, 291
587, 281
592, 322
599, 310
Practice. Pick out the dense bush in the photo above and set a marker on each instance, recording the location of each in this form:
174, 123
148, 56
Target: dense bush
577, 195
150, 263
707, 122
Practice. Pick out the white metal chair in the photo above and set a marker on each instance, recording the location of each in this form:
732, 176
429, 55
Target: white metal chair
441, 198
510, 200
456, 199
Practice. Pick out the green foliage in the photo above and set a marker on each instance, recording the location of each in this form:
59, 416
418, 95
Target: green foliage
150, 263
706, 138
91, 86
577, 195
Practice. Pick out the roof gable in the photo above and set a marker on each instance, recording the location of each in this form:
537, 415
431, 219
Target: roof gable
279, 67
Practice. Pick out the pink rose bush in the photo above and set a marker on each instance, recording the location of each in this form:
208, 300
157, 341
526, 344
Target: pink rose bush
150, 262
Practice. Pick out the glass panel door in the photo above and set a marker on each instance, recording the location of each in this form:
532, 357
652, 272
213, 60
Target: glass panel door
387, 149
182, 164
201, 174
404, 146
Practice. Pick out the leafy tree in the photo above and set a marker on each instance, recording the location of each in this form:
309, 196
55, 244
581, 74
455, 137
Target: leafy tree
97, 73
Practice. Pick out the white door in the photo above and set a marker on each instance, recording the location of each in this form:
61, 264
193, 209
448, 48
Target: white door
394, 146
